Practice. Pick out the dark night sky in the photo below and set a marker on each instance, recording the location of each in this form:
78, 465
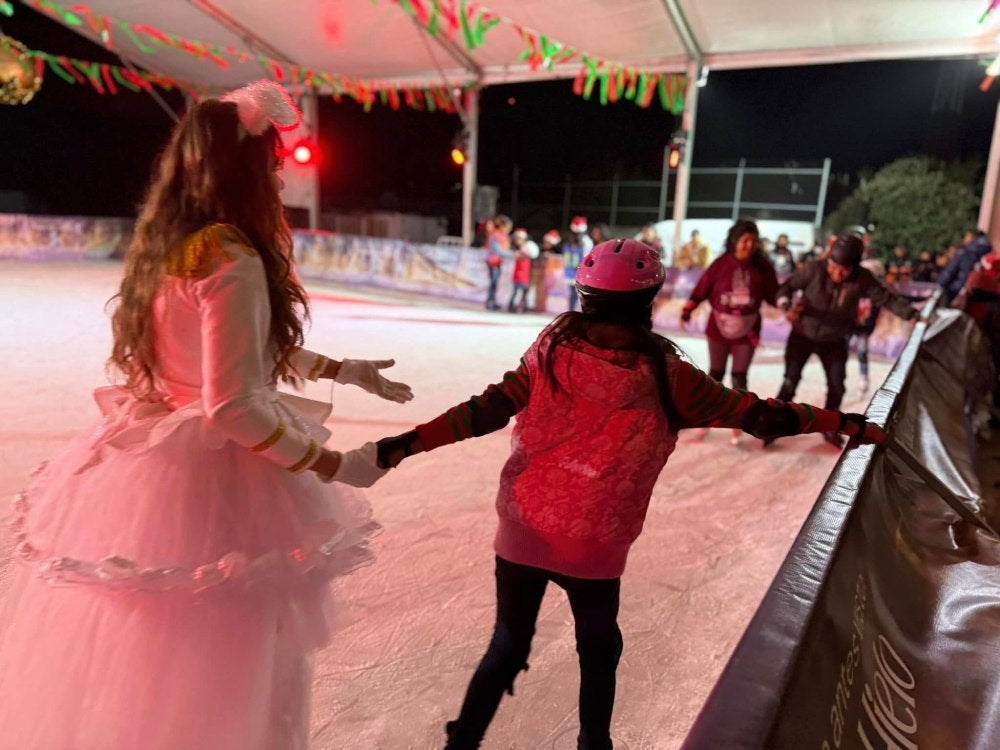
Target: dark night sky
74, 151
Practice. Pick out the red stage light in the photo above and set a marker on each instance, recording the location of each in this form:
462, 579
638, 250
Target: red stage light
302, 153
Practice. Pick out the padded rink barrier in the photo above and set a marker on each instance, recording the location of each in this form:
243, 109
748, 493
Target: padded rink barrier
881, 629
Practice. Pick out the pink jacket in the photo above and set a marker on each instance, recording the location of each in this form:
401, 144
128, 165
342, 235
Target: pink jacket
584, 459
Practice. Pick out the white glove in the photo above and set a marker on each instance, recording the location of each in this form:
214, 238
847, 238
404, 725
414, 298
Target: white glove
364, 374
358, 467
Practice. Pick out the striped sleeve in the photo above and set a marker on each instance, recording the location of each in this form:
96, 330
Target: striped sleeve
481, 414
704, 402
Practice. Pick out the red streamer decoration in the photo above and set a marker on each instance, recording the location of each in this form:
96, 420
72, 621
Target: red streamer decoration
108, 80
71, 69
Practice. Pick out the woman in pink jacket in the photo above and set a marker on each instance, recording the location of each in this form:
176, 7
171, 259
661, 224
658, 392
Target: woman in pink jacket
599, 400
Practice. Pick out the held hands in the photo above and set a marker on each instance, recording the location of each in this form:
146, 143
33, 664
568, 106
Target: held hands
364, 373
357, 467
392, 450
793, 314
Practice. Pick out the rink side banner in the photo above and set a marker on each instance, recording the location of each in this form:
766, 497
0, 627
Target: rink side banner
446, 272
459, 273
882, 627
41, 238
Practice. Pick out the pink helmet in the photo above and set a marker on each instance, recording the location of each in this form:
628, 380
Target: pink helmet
621, 266
578, 224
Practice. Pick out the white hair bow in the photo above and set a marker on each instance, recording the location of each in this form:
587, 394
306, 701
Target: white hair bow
263, 103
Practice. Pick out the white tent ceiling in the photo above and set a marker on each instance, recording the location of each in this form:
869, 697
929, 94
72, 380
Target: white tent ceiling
379, 41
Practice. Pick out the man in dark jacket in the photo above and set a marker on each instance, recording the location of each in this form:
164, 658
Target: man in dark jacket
824, 312
974, 246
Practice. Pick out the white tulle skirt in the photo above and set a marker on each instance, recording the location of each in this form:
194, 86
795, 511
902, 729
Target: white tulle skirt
172, 589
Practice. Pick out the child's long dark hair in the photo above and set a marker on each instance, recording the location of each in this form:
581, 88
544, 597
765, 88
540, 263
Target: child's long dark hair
631, 311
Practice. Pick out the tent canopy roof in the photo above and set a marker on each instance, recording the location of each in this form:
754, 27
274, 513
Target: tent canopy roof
379, 41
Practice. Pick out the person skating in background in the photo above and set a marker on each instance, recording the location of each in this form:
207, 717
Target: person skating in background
497, 244
693, 254
525, 253
900, 267
736, 284
824, 311
599, 233
651, 237
176, 557
926, 269
781, 256
573, 251
865, 321
483, 231
599, 400
551, 241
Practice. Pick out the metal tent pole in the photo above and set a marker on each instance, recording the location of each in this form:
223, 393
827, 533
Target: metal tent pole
469, 170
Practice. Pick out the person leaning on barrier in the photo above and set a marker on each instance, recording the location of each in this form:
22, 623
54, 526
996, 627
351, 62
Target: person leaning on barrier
822, 316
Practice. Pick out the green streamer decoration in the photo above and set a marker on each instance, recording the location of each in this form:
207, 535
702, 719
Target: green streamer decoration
58, 69
139, 44
605, 79
116, 72
57, 11
463, 18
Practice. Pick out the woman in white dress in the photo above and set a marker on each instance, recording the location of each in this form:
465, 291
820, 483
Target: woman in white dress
177, 557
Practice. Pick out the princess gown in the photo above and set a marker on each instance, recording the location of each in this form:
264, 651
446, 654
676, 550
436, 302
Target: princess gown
176, 558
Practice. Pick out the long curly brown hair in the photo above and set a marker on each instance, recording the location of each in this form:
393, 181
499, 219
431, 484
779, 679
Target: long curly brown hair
211, 171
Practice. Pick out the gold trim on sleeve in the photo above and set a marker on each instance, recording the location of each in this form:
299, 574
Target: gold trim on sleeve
273, 438
306, 459
317, 367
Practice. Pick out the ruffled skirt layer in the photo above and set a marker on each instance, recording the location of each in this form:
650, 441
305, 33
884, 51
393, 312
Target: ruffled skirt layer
173, 589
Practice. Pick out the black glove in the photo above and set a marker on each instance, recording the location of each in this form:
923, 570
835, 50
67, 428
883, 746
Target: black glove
859, 420
392, 450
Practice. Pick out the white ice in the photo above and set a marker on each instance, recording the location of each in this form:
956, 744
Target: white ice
414, 625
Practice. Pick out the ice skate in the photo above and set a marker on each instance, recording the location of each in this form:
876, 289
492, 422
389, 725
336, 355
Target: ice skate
735, 436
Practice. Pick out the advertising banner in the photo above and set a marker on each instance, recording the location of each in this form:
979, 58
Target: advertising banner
39, 238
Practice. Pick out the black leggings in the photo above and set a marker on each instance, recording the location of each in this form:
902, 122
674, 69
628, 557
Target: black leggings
598, 643
719, 350
833, 356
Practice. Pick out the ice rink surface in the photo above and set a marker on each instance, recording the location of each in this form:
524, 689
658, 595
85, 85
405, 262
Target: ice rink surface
414, 625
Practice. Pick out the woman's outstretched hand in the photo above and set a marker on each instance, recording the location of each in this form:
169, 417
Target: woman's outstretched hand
364, 373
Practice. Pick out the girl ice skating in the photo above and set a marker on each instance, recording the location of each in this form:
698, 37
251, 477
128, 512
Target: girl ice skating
599, 400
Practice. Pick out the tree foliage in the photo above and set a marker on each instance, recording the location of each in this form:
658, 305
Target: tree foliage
915, 201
